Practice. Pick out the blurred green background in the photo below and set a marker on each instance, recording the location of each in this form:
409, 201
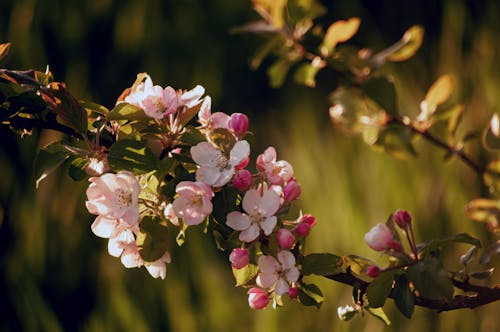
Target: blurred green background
55, 275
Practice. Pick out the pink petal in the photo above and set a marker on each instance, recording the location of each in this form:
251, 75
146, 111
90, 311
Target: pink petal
268, 264
224, 177
219, 120
268, 224
117, 243
104, 227
251, 201
238, 221
292, 275
239, 152
157, 269
209, 175
269, 203
250, 234
266, 280
205, 154
286, 259
130, 257
281, 287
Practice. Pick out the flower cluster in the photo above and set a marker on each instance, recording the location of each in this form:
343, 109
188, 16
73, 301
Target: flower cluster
138, 215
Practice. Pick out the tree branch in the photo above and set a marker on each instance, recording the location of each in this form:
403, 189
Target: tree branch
483, 295
30, 123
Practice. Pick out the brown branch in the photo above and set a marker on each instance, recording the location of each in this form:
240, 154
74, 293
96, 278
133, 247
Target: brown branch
483, 295
30, 123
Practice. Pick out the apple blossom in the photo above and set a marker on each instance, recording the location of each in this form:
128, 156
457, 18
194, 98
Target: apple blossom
277, 172
169, 213
158, 269
257, 298
242, 179
205, 111
215, 168
259, 214
193, 203
285, 238
379, 238
114, 196
238, 123
291, 190
239, 258
277, 274
219, 120
192, 97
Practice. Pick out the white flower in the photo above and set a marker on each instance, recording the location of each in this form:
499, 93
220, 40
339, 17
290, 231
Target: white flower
278, 274
216, 169
259, 214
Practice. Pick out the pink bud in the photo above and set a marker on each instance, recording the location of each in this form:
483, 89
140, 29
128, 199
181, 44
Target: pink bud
379, 237
257, 298
308, 219
238, 123
239, 258
372, 271
293, 292
303, 229
292, 190
395, 245
286, 240
242, 180
402, 218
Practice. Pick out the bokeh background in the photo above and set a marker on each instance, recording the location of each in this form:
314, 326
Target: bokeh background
55, 275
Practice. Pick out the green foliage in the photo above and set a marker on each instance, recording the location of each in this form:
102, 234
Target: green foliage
310, 295
322, 264
433, 245
430, 279
403, 296
126, 111
382, 91
379, 314
152, 240
245, 274
380, 288
131, 155
49, 159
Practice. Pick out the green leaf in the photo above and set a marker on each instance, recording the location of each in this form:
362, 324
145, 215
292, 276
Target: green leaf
403, 297
27, 102
408, 45
244, 275
306, 74
322, 264
485, 210
126, 111
380, 288
310, 295
77, 169
94, 107
397, 141
357, 264
383, 92
480, 275
152, 240
223, 138
277, 72
430, 279
338, 32
428, 247
191, 136
49, 159
274, 42
378, 313
69, 111
132, 156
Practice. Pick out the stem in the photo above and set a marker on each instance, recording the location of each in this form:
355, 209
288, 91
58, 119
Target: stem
476, 167
29, 123
484, 295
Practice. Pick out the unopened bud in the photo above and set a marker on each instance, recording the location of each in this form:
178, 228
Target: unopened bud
286, 240
292, 190
242, 180
238, 123
257, 298
239, 258
293, 292
402, 218
379, 238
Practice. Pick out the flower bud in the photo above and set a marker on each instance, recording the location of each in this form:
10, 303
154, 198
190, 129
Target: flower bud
293, 292
402, 218
238, 123
257, 298
242, 180
239, 258
379, 237
395, 245
292, 190
303, 229
372, 271
286, 240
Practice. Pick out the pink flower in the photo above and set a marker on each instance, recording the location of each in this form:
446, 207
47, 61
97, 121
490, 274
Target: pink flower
242, 180
238, 123
205, 111
286, 240
306, 222
292, 190
215, 168
277, 172
114, 196
219, 120
257, 298
379, 238
402, 218
158, 268
259, 214
193, 204
169, 213
372, 271
131, 258
277, 274
192, 97
239, 258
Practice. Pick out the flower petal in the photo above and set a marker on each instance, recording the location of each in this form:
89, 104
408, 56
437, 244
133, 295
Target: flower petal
268, 225
250, 234
251, 201
239, 152
224, 177
269, 203
281, 287
286, 259
131, 257
292, 275
268, 264
266, 280
104, 227
209, 175
205, 154
238, 221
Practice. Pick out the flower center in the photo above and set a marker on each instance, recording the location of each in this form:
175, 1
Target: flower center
223, 163
123, 197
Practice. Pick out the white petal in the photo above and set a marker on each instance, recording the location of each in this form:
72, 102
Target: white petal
205, 154
130, 257
251, 201
281, 287
157, 269
250, 234
104, 227
268, 225
190, 98
117, 244
266, 280
286, 259
209, 175
268, 264
292, 275
131, 216
269, 203
240, 151
224, 177
238, 221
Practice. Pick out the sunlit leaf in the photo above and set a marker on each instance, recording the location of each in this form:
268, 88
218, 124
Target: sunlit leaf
430, 279
403, 297
437, 94
397, 141
77, 168
357, 264
272, 10
310, 295
94, 107
491, 134
492, 176
338, 32
152, 240
348, 312
132, 156
255, 27
244, 275
322, 264
49, 159
126, 111
306, 74
408, 45
4, 50
378, 313
486, 211
380, 288
277, 72
455, 117
223, 138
